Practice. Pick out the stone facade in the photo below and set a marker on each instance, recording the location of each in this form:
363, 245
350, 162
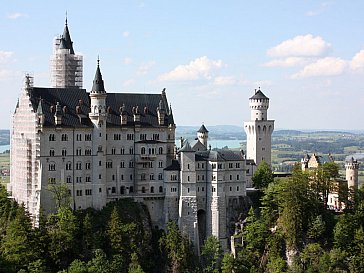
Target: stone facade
103, 146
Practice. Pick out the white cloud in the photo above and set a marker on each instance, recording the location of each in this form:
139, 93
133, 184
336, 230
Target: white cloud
357, 63
286, 62
328, 66
224, 80
5, 56
128, 61
300, 46
200, 68
126, 34
145, 68
17, 15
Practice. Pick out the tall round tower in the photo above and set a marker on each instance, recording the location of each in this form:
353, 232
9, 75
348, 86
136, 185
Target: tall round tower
352, 170
259, 129
203, 135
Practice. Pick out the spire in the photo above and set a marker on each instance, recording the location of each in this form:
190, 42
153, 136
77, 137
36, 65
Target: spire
202, 129
67, 37
98, 86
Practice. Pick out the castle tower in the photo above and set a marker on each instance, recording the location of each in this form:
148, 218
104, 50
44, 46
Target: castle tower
352, 170
188, 201
98, 117
203, 135
66, 66
259, 129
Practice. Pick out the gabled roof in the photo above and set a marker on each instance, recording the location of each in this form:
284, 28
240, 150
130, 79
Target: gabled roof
259, 95
174, 166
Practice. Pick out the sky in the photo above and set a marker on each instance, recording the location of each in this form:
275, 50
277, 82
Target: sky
306, 56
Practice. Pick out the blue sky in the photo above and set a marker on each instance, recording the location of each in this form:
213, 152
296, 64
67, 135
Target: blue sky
307, 56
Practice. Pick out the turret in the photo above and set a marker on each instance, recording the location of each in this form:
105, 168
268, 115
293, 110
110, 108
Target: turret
259, 105
203, 135
352, 170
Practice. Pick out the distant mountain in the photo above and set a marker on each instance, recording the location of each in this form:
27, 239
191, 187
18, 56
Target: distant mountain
4, 137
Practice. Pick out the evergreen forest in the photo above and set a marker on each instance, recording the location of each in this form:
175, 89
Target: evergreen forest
289, 229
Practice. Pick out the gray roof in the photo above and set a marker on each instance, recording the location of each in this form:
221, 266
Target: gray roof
259, 95
218, 155
186, 147
67, 39
75, 104
98, 84
174, 166
202, 129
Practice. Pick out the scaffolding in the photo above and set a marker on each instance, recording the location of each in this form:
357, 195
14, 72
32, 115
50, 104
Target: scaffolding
66, 68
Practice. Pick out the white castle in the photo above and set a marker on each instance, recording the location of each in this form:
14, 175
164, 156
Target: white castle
105, 146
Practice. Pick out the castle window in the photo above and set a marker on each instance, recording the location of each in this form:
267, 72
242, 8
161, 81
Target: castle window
122, 177
237, 165
231, 165
231, 177
122, 151
69, 179
52, 137
203, 177
113, 190
64, 152
155, 136
78, 166
122, 164
160, 164
198, 178
68, 166
99, 176
152, 189
78, 179
78, 151
131, 177
108, 164
78, 192
117, 136
143, 189
203, 189
64, 137
100, 190
88, 151
131, 164
151, 176
100, 163
160, 150
88, 137
130, 137
113, 177
52, 166
188, 190
131, 189
122, 189
88, 191
237, 177
198, 189
160, 176
203, 165
231, 188
51, 180
88, 179
188, 166
143, 136
113, 151
160, 189
142, 151
78, 137
99, 149
188, 178
51, 152
142, 176
219, 166
213, 166
237, 188
131, 150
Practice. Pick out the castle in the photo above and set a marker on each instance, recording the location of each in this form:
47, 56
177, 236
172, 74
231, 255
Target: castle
105, 146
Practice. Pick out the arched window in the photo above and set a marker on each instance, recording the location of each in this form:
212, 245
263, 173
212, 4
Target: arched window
160, 150
143, 189
142, 151
152, 189
122, 190
160, 189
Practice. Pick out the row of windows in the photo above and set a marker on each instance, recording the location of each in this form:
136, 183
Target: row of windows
151, 151
64, 137
88, 151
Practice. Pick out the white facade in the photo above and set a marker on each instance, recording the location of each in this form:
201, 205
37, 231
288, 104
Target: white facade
259, 129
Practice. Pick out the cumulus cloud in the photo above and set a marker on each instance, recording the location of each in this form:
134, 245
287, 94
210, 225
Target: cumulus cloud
17, 15
328, 66
224, 80
286, 62
126, 34
200, 68
5, 56
301, 46
357, 63
145, 68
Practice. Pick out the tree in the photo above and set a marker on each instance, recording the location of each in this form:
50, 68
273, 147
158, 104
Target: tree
134, 266
60, 194
211, 254
17, 245
228, 265
178, 249
263, 176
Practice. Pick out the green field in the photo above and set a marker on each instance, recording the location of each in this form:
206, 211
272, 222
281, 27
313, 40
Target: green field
4, 164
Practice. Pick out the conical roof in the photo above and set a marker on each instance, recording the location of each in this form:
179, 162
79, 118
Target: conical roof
202, 129
98, 84
259, 95
67, 38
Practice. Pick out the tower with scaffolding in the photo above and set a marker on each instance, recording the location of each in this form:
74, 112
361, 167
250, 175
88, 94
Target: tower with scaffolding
66, 66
